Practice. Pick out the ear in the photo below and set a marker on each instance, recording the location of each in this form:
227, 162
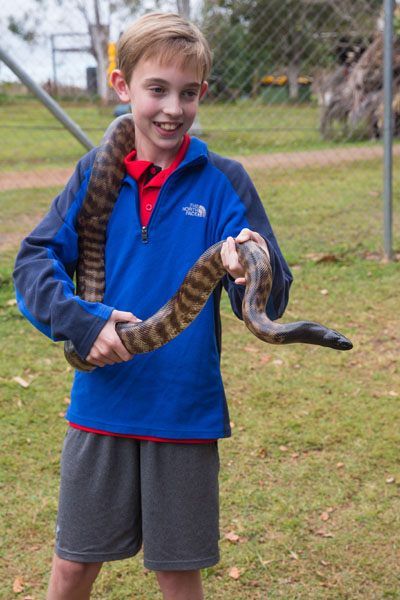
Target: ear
203, 89
119, 84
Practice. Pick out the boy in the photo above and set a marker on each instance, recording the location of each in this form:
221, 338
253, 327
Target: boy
140, 458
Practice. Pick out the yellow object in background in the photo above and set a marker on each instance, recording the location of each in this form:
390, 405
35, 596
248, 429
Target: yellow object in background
112, 59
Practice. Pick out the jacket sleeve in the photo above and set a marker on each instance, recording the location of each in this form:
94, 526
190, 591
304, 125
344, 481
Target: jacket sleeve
45, 266
241, 207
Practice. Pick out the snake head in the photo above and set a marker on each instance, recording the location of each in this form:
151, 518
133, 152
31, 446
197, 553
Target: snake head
337, 340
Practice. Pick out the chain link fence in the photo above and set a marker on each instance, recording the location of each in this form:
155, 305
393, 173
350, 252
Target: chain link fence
296, 87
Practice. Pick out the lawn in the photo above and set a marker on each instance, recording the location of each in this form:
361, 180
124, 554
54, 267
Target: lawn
310, 480
32, 138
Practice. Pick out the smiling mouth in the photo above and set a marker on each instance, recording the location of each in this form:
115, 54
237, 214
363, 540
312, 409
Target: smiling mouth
167, 126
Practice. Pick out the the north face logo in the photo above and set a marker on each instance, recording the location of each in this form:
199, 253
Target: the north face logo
195, 210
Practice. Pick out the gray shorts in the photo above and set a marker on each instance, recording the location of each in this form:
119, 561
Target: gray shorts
117, 493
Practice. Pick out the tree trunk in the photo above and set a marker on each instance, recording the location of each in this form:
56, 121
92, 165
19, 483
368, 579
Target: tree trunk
183, 7
100, 36
293, 73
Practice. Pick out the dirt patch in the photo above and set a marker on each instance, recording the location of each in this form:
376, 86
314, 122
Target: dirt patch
10, 240
35, 179
278, 160
312, 158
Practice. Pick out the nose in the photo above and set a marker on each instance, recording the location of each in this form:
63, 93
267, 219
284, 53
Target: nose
173, 106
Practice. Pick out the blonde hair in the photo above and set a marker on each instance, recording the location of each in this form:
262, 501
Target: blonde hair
167, 37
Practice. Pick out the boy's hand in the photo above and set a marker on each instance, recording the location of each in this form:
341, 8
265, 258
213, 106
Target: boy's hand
108, 348
230, 258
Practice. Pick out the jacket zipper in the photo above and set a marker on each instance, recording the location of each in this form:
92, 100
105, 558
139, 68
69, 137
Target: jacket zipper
145, 235
144, 230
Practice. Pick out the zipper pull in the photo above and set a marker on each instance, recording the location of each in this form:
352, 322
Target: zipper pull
145, 236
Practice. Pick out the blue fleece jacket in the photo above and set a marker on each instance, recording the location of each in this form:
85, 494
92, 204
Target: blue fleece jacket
174, 392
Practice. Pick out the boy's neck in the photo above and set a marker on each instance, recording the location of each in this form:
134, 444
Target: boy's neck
157, 156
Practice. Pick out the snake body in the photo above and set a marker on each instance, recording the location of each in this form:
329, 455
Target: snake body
199, 282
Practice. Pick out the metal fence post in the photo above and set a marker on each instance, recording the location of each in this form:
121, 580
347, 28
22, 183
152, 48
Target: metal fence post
388, 130
47, 100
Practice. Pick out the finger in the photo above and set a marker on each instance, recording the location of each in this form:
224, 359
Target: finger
257, 237
247, 234
225, 255
228, 245
261, 242
104, 353
231, 253
121, 315
244, 235
121, 351
95, 361
234, 265
240, 281
231, 245
230, 258
111, 355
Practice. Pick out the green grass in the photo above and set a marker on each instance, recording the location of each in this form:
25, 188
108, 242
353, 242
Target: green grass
315, 431
32, 138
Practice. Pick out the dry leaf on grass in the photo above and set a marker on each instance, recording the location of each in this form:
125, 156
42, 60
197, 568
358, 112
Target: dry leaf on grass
324, 292
232, 537
251, 349
18, 585
294, 555
265, 358
11, 302
324, 516
20, 381
234, 573
319, 257
324, 534
390, 480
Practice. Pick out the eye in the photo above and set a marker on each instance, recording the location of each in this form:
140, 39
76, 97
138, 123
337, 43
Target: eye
157, 89
190, 93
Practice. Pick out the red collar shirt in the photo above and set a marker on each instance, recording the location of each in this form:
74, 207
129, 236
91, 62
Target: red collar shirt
150, 178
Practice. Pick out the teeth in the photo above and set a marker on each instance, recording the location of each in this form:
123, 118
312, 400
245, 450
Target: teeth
168, 126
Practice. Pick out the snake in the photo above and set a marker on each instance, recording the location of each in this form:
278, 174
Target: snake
198, 284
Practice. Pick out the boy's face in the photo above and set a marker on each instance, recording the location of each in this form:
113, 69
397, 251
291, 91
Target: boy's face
164, 103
